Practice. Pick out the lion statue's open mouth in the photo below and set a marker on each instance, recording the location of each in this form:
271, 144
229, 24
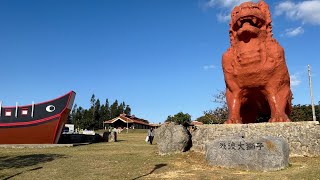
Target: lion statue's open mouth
247, 20
250, 24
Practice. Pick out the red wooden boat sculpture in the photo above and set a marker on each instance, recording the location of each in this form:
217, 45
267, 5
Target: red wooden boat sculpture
40, 123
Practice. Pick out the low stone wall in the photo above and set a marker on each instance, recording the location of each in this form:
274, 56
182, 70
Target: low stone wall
303, 137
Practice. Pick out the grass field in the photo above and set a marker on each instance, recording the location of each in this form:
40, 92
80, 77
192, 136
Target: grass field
130, 158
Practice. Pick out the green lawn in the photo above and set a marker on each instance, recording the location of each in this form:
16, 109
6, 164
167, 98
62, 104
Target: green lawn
131, 158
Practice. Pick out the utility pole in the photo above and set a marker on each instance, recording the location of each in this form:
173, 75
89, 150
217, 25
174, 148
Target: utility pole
311, 96
319, 109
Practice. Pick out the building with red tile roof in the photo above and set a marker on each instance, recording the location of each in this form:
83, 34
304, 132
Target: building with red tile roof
196, 123
129, 121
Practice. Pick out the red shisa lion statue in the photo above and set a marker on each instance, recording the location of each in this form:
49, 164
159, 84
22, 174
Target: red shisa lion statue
254, 67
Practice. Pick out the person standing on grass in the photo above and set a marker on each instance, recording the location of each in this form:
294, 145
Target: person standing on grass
151, 135
115, 133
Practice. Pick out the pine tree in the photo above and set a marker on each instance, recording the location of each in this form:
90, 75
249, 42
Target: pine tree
121, 108
93, 100
107, 110
78, 117
87, 121
102, 111
97, 123
91, 123
127, 110
114, 111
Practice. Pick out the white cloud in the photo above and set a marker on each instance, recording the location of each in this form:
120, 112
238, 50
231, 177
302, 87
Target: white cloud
295, 80
226, 3
294, 31
208, 67
223, 17
226, 6
306, 11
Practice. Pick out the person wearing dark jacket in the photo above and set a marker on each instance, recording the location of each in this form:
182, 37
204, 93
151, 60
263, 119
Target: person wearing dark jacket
151, 135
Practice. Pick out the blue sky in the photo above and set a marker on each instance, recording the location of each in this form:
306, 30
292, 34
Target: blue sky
159, 56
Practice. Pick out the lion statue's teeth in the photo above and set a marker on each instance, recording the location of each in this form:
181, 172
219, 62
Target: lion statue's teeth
239, 23
254, 20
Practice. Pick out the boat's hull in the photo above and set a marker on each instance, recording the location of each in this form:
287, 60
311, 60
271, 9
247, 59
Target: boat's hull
46, 130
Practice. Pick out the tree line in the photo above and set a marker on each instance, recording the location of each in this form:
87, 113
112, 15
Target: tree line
220, 114
304, 112
179, 118
98, 112
299, 113
94, 117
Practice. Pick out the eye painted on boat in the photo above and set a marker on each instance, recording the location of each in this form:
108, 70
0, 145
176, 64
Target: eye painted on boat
50, 108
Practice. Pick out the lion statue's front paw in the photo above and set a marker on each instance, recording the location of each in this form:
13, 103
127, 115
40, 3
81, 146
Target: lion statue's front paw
233, 121
279, 119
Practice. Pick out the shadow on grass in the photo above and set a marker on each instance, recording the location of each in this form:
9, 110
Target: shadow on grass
7, 162
33, 169
119, 140
157, 166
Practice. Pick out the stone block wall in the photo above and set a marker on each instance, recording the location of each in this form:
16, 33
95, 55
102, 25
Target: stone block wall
303, 137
